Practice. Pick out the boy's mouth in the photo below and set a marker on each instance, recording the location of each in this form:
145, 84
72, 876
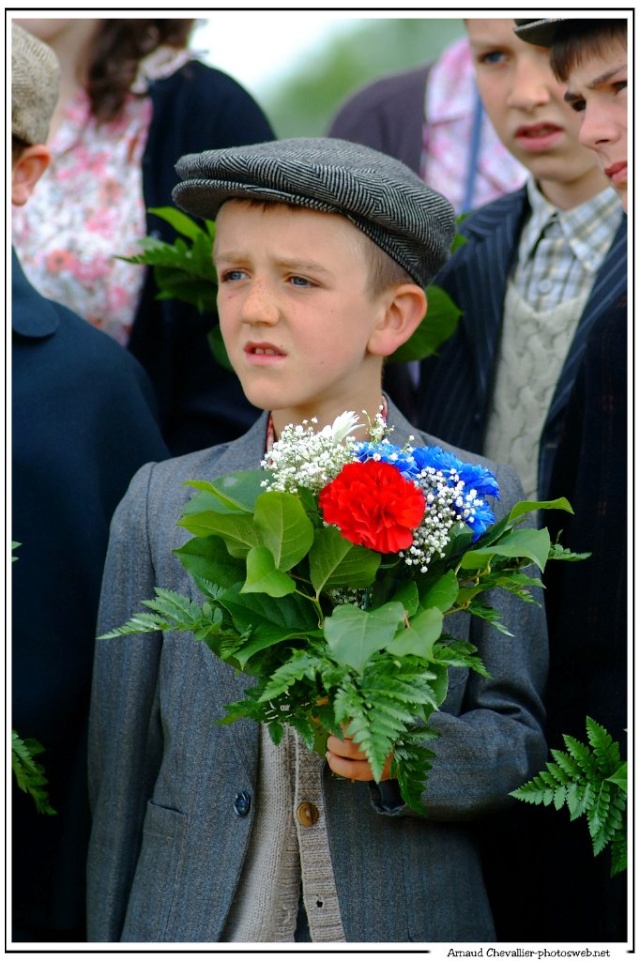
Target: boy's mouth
538, 136
617, 172
263, 350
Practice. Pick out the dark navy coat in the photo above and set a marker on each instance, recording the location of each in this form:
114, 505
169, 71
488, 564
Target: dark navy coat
83, 421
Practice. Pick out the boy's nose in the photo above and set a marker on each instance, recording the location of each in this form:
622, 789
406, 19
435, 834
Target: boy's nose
260, 305
530, 86
597, 128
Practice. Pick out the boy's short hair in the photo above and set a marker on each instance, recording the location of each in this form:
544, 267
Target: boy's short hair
570, 40
382, 197
35, 79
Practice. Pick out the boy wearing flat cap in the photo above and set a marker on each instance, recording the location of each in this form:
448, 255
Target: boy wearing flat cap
208, 833
83, 421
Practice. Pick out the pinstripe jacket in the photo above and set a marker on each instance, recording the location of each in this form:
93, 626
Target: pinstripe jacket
174, 794
455, 387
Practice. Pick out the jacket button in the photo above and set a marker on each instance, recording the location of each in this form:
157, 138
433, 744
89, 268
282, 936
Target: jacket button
242, 804
307, 814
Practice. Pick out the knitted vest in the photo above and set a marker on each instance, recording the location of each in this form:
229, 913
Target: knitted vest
533, 349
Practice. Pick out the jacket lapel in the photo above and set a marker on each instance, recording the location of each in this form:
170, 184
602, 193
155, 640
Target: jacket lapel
493, 235
609, 287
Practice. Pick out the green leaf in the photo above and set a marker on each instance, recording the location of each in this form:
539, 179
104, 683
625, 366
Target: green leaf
531, 543
443, 593
237, 530
284, 528
336, 562
29, 773
619, 777
180, 222
407, 595
419, 637
235, 492
439, 324
353, 635
268, 620
263, 575
209, 559
532, 507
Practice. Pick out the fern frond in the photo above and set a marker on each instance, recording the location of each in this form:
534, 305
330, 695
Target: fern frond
29, 773
591, 782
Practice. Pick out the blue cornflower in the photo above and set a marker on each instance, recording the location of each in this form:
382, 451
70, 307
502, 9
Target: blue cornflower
474, 476
388, 454
480, 518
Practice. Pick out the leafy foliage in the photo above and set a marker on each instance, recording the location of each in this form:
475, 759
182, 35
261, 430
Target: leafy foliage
28, 772
591, 782
278, 603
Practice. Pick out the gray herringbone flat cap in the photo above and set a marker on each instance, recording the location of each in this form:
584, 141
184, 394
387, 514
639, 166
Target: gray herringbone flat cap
381, 196
35, 78
540, 32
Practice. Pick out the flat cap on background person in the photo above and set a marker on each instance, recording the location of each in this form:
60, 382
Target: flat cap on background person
35, 82
382, 197
540, 32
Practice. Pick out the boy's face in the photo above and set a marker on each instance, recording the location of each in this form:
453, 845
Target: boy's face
597, 92
525, 104
296, 312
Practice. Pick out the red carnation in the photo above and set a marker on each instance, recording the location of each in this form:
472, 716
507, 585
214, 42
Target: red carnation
372, 504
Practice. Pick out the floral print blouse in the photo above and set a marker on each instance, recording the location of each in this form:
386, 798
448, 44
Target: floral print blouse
88, 209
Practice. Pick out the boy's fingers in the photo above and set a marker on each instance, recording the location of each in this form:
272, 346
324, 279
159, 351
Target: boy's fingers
346, 748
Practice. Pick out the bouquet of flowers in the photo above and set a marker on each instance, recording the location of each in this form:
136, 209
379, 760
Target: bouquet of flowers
329, 576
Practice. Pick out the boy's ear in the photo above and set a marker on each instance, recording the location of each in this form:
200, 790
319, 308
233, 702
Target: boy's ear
405, 308
26, 172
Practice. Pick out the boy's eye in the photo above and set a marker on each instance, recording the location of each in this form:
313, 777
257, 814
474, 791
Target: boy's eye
300, 281
231, 275
620, 85
493, 56
578, 105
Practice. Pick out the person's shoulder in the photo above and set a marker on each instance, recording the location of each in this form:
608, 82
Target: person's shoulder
90, 346
494, 212
200, 80
385, 89
204, 108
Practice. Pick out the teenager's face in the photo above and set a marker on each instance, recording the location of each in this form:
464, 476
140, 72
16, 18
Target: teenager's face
295, 311
525, 104
597, 92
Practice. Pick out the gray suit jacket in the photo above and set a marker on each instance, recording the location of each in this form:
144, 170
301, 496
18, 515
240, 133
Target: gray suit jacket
173, 793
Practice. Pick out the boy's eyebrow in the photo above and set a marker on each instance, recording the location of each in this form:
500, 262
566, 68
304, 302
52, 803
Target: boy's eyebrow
598, 81
230, 256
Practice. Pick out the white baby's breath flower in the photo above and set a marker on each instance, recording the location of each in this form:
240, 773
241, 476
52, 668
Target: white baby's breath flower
304, 457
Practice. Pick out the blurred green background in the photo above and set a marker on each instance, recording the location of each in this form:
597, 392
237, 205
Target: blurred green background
302, 100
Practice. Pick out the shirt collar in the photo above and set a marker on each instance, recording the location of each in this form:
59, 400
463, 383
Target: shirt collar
589, 228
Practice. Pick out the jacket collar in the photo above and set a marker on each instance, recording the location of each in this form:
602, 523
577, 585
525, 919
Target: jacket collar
32, 315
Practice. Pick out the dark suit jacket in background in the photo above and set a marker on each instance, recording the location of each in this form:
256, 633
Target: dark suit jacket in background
201, 403
83, 421
456, 387
388, 115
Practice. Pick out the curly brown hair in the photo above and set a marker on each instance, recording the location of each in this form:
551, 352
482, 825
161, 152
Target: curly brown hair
117, 49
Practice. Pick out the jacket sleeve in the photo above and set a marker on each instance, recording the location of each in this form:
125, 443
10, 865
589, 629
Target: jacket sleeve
491, 737
125, 740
